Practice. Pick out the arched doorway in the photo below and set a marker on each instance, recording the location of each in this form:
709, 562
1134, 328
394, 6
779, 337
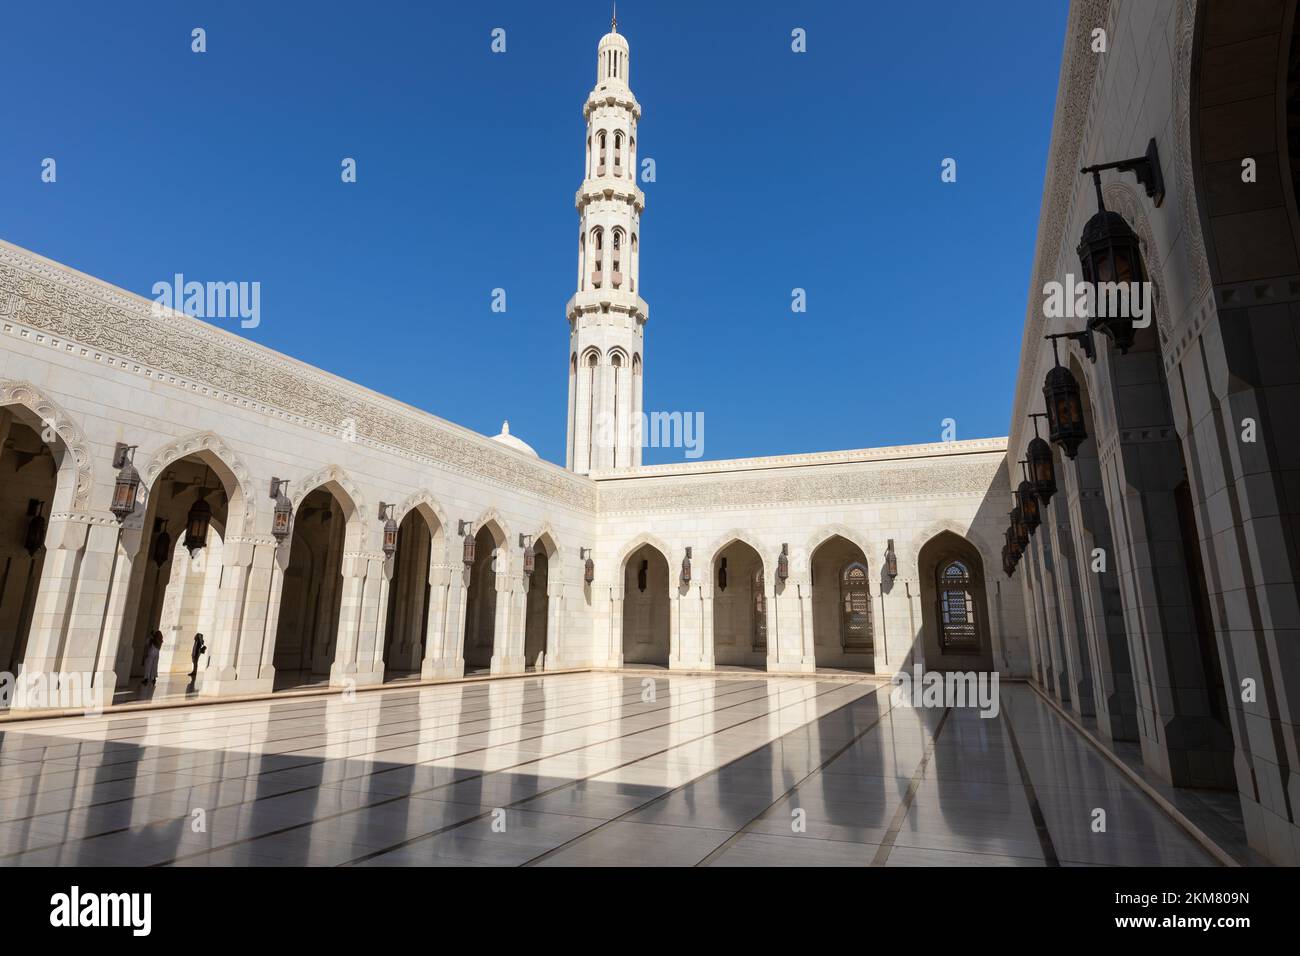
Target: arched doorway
538, 607
482, 599
739, 607
176, 575
646, 624
954, 605
843, 626
29, 469
410, 593
306, 634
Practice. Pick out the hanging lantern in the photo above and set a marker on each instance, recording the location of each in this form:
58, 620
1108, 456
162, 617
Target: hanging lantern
783, 563
467, 554
1041, 470
128, 481
1018, 530
34, 539
722, 575
589, 567
1109, 253
1064, 408
196, 526
282, 516
1029, 510
1109, 250
390, 529
162, 543
686, 567
530, 556
891, 560
1012, 545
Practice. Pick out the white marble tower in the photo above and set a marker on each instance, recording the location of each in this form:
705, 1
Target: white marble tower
607, 315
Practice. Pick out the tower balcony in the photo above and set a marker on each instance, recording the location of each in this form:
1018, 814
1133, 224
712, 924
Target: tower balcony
622, 189
595, 301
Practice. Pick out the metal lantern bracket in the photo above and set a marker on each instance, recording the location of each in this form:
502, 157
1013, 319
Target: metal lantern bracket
1146, 168
1085, 337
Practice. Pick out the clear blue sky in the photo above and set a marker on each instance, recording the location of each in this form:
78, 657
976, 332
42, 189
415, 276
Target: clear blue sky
775, 170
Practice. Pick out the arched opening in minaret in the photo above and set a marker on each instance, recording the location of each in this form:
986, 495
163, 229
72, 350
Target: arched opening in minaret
842, 620
306, 635
646, 631
482, 599
30, 470
739, 607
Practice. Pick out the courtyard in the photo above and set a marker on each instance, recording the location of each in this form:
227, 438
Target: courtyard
594, 768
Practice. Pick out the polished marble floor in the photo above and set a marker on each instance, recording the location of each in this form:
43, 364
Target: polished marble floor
577, 769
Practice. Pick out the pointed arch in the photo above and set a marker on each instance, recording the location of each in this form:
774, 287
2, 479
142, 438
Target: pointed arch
967, 533
210, 448
424, 502
828, 531
337, 481
645, 538
724, 541
80, 469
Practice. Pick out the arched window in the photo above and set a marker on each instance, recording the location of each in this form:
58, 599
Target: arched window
618, 154
855, 608
617, 270
600, 159
956, 606
634, 267
598, 254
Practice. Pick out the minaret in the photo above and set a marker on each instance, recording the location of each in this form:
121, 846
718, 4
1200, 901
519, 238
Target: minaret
607, 314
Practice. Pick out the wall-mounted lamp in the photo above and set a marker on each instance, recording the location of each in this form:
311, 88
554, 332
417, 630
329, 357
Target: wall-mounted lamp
686, 567
783, 563
1041, 470
530, 556
891, 560
128, 481
1064, 405
282, 516
589, 567
390, 528
466, 531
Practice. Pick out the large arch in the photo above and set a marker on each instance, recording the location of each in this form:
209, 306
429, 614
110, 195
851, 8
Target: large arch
58, 429
172, 589
844, 620
954, 605
739, 588
647, 628
538, 634
420, 543
30, 477
327, 523
484, 604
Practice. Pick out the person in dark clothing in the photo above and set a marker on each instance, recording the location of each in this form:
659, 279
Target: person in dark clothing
198, 651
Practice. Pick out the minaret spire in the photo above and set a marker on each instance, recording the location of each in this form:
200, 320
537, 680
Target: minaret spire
613, 23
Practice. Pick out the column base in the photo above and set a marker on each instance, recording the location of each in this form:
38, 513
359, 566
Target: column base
507, 664
349, 675
235, 687
791, 667
442, 669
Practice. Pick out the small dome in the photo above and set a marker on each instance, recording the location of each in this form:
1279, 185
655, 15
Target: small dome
510, 441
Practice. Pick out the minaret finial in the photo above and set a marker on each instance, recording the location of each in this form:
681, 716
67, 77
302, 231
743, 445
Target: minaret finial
613, 23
